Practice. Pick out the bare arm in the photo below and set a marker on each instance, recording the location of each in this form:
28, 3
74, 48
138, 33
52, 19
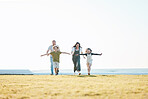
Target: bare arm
82, 54
65, 53
72, 52
45, 54
47, 51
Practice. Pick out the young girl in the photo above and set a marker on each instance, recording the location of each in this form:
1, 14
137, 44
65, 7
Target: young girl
89, 58
56, 57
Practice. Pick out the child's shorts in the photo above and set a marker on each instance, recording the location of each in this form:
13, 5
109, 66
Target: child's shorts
90, 63
56, 64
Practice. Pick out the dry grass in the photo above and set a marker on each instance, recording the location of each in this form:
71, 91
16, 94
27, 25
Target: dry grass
69, 86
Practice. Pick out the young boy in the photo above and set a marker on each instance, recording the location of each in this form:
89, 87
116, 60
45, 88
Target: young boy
89, 58
56, 58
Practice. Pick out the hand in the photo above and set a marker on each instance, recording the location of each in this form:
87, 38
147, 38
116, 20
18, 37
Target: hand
47, 54
77, 54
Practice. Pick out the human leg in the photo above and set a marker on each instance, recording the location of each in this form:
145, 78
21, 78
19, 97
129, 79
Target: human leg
88, 68
56, 67
78, 65
74, 62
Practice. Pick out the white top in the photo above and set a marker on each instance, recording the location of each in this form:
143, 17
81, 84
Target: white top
89, 58
73, 50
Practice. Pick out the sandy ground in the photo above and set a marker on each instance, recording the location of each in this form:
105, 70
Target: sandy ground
73, 87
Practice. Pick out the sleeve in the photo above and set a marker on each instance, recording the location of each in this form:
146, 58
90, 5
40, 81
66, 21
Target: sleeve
95, 54
83, 54
51, 53
73, 50
81, 50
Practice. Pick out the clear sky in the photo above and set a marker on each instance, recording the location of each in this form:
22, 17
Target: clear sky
116, 28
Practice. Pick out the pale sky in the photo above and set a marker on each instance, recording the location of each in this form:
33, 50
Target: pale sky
116, 28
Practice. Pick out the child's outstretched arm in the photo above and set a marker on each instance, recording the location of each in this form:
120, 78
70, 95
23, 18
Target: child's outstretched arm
65, 53
82, 54
96, 54
45, 54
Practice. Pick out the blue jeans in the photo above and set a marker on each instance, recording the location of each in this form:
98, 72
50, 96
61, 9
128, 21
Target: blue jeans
51, 61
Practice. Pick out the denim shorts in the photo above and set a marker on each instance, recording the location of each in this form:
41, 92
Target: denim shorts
56, 64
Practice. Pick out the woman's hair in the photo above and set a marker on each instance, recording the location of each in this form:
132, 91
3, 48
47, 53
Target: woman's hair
76, 44
88, 49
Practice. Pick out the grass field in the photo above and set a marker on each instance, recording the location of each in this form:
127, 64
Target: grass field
74, 87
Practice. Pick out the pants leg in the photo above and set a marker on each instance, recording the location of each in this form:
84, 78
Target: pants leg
75, 66
78, 64
74, 62
51, 61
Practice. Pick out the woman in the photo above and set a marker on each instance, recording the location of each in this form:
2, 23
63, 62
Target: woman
76, 50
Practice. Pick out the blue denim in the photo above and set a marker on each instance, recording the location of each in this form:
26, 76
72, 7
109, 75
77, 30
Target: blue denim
51, 61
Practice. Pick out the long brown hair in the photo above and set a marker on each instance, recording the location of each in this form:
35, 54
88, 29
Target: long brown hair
76, 44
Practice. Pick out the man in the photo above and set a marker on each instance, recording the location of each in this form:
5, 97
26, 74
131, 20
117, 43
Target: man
50, 48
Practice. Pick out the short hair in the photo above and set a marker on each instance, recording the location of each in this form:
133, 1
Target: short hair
55, 46
53, 40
